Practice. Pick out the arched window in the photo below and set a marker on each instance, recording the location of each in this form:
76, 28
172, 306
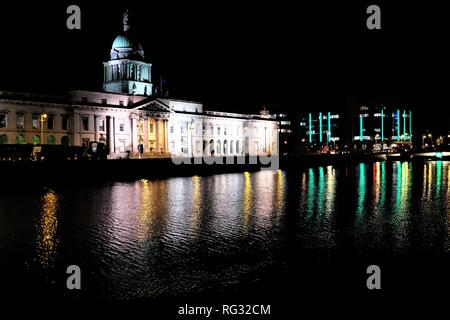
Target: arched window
20, 139
225, 147
35, 139
3, 139
218, 147
211, 147
237, 147
231, 147
65, 140
218, 131
51, 139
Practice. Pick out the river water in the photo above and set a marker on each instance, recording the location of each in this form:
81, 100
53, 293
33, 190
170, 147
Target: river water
311, 231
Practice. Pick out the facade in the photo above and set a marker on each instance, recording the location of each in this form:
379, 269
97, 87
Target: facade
126, 116
380, 127
320, 130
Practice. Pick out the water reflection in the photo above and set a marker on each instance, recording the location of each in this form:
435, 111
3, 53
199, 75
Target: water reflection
48, 224
151, 238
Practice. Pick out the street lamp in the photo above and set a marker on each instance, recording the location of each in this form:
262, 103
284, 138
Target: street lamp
42, 118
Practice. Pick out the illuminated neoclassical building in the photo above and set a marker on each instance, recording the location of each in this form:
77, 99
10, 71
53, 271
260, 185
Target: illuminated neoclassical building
127, 114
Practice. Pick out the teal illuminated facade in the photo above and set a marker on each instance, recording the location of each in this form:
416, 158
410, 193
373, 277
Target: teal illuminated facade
320, 128
383, 126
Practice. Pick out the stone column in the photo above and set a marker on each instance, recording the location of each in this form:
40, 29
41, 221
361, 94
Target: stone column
111, 136
95, 127
157, 137
76, 129
134, 135
146, 127
166, 136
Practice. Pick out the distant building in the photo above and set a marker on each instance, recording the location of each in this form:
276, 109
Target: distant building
380, 127
321, 129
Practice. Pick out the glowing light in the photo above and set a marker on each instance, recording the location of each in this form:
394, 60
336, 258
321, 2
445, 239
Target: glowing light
329, 126
247, 201
404, 123
382, 124
196, 203
320, 126
47, 241
360, 127
310, 128
280, 192
361, 189
398, 124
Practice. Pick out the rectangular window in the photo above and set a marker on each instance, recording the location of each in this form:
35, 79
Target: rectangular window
64, 122
101, 127
84, 99
85, 123
3, 122
35, 121
171, 129
50, 123
121, 103
20, 120
151, 127
121, 125
104, 101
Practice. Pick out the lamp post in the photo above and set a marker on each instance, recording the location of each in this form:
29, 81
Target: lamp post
43, 117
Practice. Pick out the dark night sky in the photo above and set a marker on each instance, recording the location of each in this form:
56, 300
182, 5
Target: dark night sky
239, 58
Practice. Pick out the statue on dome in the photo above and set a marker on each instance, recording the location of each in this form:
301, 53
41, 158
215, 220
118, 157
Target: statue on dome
126, 26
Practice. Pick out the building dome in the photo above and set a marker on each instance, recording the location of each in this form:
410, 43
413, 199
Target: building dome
125, 45
126, 41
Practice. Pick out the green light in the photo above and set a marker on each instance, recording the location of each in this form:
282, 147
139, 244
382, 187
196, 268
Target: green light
361, 189
439, 155
329, 127
438, 165
382, 124
398, 125
404, 124
320, 126
310, 128
321, 193
360, 127
311, 192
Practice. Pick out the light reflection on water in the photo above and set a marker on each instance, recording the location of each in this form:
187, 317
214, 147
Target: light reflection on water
157, 238
46, 236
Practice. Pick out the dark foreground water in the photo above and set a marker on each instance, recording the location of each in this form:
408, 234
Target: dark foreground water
266, 235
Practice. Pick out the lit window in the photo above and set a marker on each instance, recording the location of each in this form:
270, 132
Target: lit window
20, 120
3, 121
151, 127
35, 121
121, 125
